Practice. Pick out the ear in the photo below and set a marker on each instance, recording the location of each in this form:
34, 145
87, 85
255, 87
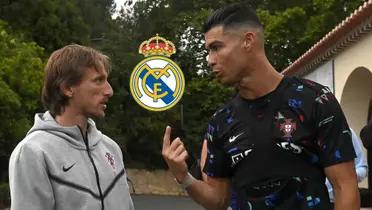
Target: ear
67, 90
248, 39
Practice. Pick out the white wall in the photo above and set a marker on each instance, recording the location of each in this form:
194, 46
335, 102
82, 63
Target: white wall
323, 75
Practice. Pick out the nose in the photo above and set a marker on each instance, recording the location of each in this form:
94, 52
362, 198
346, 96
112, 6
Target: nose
211, 59
108, 90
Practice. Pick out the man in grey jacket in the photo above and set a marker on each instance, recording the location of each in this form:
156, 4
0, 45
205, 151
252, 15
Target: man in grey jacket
64, 162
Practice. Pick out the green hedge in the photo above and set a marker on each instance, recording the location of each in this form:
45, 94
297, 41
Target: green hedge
4, 195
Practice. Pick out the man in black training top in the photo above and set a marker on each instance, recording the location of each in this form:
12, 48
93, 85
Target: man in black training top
276, 141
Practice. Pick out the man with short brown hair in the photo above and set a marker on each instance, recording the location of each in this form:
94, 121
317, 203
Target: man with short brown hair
65, 162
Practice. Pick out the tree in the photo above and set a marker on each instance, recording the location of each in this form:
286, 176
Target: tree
21, 65
55, 23
96, 14
292, 27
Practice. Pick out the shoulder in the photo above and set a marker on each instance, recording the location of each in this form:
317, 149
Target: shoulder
308, 86
309, 90
224, 111
110, 143
220, 120
35, 140
30, 147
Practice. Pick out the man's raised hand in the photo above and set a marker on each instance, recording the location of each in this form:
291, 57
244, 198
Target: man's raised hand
175, 155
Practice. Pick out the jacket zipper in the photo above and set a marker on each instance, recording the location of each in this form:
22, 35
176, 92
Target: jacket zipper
95, 168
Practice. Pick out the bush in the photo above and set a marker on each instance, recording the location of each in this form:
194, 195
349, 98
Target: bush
4, 195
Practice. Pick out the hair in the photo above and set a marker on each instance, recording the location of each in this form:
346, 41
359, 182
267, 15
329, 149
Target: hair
233, 15
66, 67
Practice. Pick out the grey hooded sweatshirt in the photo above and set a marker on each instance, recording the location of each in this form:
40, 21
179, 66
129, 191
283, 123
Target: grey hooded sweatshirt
55, 168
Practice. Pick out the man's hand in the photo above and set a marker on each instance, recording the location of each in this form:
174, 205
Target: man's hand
175, 155
212, 193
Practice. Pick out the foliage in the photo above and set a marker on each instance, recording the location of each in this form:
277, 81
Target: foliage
4, 195
21, 65
96, 14
292, 27
55, 23
50, 23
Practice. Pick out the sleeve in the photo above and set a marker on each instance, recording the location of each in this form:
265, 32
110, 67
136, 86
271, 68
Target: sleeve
217, 163
332, 131
29, 183
361, 166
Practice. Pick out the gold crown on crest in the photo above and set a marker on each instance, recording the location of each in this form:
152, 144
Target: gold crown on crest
157, 45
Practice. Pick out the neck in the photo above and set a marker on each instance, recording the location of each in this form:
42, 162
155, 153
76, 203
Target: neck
70, 118
262, 79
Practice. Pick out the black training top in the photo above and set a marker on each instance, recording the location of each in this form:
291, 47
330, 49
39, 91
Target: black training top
274, 148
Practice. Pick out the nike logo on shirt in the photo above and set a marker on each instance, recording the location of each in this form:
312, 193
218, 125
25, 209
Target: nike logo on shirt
68, 168
233, 138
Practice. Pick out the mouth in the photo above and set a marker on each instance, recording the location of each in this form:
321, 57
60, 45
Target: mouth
104, 104
217, 73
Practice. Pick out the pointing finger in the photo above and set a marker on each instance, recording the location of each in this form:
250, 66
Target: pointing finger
166, 139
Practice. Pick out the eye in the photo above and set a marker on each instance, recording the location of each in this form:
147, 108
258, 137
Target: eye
99, 80
214, 48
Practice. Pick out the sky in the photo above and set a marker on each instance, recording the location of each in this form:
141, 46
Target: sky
119, 4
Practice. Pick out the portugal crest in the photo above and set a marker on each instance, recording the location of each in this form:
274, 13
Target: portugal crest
288, 127
157, 83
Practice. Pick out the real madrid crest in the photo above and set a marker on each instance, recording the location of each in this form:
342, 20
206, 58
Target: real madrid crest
157, 83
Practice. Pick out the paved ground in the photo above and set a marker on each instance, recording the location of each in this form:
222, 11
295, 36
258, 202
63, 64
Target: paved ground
147, 202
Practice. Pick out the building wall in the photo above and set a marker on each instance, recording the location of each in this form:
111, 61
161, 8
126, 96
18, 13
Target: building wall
357, 55
353, 82
349, 75
323, 75
356, 100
